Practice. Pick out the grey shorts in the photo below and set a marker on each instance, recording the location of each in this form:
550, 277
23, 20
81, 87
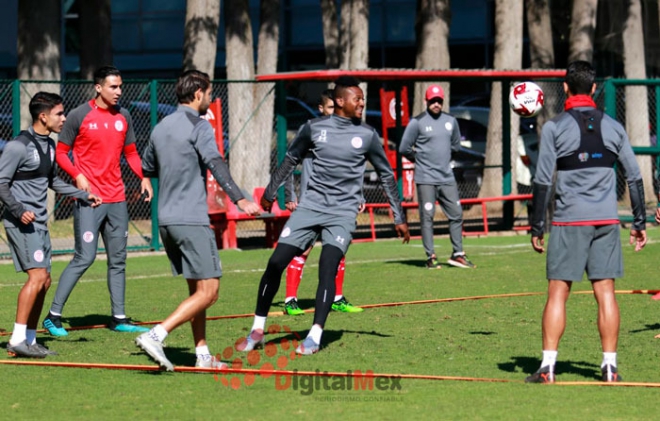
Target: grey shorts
305, 225
572, 250
30, 247
192, 251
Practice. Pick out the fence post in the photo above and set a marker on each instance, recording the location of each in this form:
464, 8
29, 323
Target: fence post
16, 107
153, 110
280, 113
508, 206
610, 98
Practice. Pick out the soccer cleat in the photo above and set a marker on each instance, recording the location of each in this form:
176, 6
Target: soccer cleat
24, 350
291, 308
253, 341
308, 347
209, 361
53, 324
126, 325
344, 306
155, 350
43, 349
610, 374
543, 375
461, 261
432, 263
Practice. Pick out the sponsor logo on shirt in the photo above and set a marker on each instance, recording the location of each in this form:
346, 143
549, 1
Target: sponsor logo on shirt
448, 126
428, 128
92, 126
323, 137
356, 142
119, 126
596, 155
340, 239
35, 155
583, 157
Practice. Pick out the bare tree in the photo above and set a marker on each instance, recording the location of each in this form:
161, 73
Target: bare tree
251, 142
432, 33
583, 27
354, 37
330, 33
637, 109
508, 55
95, 36
201, 35
542, 51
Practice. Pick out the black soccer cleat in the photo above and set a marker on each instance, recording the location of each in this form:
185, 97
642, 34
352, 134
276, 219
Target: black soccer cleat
543, 375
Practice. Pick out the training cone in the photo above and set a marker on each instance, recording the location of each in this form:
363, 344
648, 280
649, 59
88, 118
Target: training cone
656, 296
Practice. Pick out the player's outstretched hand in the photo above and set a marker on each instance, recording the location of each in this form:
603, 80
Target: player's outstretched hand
538, 243
638, 238
27, 217
266, 204
290, 206
402, 231
94, 200
248, 207
146, 188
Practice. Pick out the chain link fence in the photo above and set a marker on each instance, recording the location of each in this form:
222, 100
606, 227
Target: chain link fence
246, 105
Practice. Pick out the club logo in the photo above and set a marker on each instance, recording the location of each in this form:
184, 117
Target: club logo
39, 256
286, 232
583, 157
356, 142
449, 126
88, 237
428, 206
119, 126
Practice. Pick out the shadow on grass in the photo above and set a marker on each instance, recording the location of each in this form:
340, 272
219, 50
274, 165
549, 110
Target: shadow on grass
654, 326
88, 320
530, 364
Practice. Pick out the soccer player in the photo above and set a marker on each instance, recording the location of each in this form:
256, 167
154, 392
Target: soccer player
27, 170
583, 144
340, 145
181, 149
428, 141
295, 269
97, 132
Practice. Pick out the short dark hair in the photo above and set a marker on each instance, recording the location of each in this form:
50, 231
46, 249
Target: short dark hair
344, 82
327, 94
580, 77
43, 102
188, 83
104, 71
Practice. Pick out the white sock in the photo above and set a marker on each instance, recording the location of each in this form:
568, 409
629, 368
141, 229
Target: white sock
338, 297
55, 314
259, 323
549, 358
609, 358
19, 334
287, 299
31, 336
203, 352
315, 333
119, 316
158, 333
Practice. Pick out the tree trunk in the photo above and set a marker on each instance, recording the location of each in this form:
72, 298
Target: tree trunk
583, 27
330, 33
264, 93
354, 37
201, 35
96, 36
432, 31
508, 55
240, 66
38, 55
637, 109
542, 53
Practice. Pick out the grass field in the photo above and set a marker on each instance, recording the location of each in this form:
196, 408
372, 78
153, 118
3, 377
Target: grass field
491, 338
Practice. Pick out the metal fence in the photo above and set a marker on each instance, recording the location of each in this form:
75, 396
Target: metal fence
149, 101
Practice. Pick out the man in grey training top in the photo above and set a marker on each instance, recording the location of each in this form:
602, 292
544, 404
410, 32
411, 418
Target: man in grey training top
27, 170
583, 144
428, 141
340, 146
181, 149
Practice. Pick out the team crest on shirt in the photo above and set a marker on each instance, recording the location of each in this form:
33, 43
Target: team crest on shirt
39, 256
119, 126
356, 142
88, 236
286, 232
448, 126
583, 157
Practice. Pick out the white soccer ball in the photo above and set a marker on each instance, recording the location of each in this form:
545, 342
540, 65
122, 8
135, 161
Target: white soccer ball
526, 99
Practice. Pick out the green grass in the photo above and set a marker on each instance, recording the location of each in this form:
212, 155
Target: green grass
497, 338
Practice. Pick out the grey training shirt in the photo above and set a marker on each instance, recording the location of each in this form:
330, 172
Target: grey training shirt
181, 148
428, 141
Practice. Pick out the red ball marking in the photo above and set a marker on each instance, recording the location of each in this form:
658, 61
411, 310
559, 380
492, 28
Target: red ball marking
282, 361
249, 379
284, 344
237, 363
253, 357
270, 349
235, 383
272, 329
227, 353
266, 370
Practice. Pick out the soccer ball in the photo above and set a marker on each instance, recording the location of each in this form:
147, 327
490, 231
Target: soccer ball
526, 99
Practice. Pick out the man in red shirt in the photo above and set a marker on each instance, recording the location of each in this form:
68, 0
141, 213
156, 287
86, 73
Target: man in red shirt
97, 133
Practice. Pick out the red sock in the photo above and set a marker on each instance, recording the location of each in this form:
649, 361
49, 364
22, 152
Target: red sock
293, 275
339, 279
